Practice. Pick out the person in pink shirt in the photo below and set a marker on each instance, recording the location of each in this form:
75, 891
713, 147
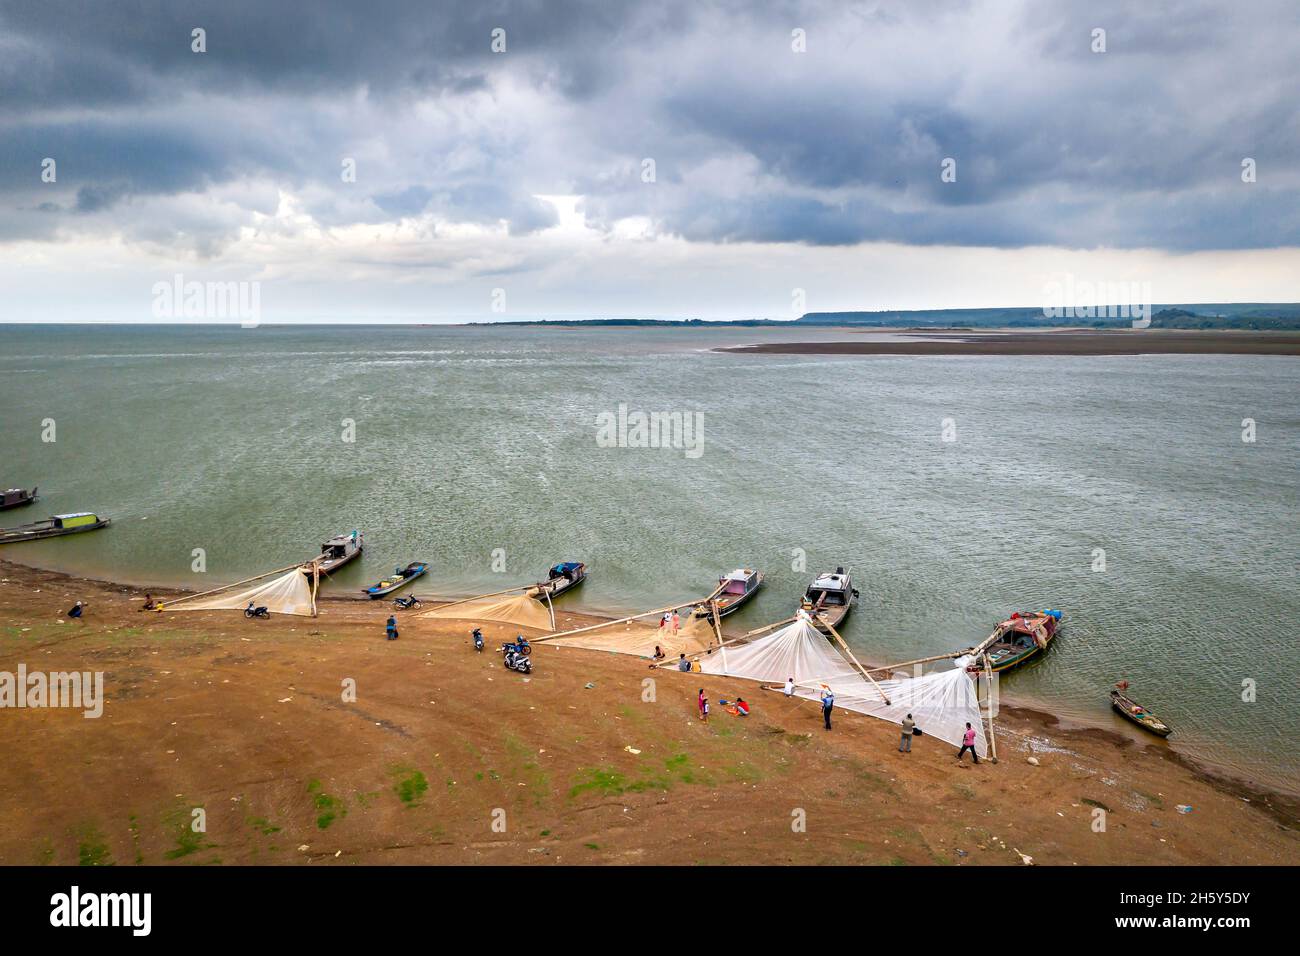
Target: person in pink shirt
968, 743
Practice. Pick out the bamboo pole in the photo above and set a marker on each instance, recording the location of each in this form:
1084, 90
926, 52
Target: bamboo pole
315, 586
621, 620
549, 606
988, 698
520, 587
919, 660
771, 627
717, 629
226, 587
844, 647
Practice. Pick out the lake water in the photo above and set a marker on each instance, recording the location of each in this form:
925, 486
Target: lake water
469, 440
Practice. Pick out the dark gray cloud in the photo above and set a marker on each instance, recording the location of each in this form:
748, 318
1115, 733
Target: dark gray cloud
1054, 144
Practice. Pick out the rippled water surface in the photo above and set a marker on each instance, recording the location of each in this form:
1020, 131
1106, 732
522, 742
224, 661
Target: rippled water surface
473, 439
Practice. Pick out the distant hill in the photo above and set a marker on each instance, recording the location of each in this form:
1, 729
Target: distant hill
1240, 315
1215, 315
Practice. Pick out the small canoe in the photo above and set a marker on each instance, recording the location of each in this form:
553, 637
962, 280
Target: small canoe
400, 579
16, 498
1131, 710
53, 527
561, 578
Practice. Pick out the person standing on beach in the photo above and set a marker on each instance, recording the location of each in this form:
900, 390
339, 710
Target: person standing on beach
828, 704
675, 621
968, 743
391, 628
905, 745
703, 703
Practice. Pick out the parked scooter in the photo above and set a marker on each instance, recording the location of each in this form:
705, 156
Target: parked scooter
478, 640
407, 603
252, 611
515, 660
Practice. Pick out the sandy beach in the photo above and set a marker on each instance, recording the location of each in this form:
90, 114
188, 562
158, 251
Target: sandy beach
1046, 342
445, 757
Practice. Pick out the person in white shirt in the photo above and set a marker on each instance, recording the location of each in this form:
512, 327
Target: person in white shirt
789, 687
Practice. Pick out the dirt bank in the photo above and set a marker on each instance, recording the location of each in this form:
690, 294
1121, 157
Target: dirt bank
442, 748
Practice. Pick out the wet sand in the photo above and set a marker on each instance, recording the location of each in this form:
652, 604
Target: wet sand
1045, 342
245, 719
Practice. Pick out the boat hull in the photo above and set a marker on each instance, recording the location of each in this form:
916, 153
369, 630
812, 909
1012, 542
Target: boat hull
16, 536
731, 607
22, 503
1154, 725
561, 585
377, 592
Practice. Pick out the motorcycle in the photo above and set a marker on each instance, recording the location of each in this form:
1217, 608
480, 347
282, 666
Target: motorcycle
516, 661
478, 640
407, 603
251, 612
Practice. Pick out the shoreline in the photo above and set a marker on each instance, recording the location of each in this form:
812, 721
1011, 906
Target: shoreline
1054, 342
1277, 802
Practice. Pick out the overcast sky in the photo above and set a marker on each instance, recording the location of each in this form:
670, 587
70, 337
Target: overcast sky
525, 171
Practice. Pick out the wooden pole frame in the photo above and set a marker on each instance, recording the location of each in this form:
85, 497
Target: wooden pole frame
227, 587
988, 697
621, 620
858, 664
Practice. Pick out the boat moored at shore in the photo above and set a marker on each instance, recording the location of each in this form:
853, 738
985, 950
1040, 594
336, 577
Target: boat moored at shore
562, 577
335, 553
400, 578
734, 589
1018, 639
829, 599
53, 527
17, 497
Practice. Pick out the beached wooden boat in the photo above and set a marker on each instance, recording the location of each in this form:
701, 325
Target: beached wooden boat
1131, 710
561, 578
1018, 639
734, 589
17, 497
400, 578
53, 527
335, 553
829, 599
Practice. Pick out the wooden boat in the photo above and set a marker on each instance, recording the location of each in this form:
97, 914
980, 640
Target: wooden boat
734, 590
561, 578
335, 553
400, 578
829, 599
53, 527
1020, 638
1132, 710
17, 497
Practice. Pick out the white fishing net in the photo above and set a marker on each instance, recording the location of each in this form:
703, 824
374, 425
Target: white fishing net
290, 593
941, 703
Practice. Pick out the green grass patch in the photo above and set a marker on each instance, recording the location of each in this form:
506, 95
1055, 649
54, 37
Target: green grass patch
328, 808
410, 785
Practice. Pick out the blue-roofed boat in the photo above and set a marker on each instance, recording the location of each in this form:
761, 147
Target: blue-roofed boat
562, 577
400, 578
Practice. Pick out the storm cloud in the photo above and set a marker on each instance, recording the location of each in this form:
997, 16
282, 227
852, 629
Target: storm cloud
817, 124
